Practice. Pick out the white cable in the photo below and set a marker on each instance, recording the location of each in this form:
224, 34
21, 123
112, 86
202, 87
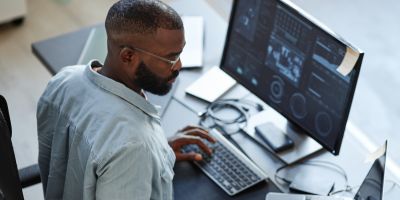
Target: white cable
351, 188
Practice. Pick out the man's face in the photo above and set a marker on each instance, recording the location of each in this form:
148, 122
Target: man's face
150, 82
153, 74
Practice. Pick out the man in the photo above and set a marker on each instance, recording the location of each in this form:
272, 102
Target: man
99, 137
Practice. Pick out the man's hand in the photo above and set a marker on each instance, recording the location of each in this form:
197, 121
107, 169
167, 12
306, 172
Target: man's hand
190, 135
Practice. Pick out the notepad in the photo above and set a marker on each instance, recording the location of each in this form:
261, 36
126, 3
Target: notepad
95, 47
192, 54
211, 85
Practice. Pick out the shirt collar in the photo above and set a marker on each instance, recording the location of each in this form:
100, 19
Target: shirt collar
120, 90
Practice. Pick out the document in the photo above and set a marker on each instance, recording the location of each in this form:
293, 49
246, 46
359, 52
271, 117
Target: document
211, 85
192, 54
95, 47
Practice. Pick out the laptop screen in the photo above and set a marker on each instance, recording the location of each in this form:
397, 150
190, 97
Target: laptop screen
372, 187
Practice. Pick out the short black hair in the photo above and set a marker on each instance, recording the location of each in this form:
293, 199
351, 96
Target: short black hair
141, 17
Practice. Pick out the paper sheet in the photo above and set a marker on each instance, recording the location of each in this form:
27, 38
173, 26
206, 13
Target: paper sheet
211, 85
349, 61
192, 55
378, 153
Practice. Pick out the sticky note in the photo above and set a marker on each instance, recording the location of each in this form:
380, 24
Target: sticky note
378, 153
349, 61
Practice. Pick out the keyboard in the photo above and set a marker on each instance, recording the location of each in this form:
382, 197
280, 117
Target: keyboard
227, 166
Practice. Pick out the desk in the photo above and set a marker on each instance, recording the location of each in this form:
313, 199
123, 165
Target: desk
189, 181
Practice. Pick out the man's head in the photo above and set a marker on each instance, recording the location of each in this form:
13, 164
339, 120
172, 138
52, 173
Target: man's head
135, 30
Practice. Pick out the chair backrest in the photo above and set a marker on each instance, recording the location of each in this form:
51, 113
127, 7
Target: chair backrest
6, 115
10, 184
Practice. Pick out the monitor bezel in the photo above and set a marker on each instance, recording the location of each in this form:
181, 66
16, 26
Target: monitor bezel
316, 24
383, 175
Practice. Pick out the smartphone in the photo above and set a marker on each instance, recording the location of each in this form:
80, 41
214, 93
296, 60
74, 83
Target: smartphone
274, 137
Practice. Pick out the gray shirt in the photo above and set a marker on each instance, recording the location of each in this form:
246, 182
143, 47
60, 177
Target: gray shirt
100, 140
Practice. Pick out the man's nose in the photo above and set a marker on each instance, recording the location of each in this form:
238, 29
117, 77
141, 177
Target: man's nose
177, 66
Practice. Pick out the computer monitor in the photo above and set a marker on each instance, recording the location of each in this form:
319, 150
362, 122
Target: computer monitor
289, 60
373, 184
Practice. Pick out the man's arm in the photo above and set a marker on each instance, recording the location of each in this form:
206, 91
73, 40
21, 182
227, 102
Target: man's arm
45, 127
126, 173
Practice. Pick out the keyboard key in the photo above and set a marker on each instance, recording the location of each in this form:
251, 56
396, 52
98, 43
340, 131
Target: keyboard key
225, 176
226, 184
219, 179
253, 178
235, 178
241, 183
208, 168
229, 187
229, 180
236, 186
212, 172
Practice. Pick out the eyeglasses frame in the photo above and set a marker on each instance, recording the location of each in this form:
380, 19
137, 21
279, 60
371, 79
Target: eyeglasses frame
161, 58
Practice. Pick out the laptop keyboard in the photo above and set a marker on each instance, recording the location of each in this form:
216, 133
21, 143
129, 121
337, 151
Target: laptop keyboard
224, 168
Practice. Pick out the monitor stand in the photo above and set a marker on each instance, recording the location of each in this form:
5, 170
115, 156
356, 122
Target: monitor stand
304, 145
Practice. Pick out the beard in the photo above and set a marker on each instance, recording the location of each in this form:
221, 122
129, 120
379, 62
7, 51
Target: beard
150, 82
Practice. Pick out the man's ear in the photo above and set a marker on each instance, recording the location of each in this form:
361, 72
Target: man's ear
127, 56
129, 59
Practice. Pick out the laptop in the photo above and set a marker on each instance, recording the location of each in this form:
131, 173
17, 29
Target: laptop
370, 189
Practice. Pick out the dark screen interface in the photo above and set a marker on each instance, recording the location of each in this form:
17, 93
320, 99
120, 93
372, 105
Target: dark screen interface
372, 187
291, 64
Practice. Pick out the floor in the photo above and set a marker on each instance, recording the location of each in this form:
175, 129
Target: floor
371, 25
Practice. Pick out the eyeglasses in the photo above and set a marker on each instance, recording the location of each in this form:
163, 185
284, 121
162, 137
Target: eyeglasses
161, 58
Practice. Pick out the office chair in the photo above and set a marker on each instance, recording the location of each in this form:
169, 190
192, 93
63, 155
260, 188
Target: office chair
12, 180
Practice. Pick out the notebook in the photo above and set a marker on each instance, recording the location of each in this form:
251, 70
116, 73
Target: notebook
95, 47
192, 54
211, 85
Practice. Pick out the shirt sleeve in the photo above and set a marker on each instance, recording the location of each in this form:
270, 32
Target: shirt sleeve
45, 139
125, 174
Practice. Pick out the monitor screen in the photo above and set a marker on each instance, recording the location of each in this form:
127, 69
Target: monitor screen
290, 62
372, 186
